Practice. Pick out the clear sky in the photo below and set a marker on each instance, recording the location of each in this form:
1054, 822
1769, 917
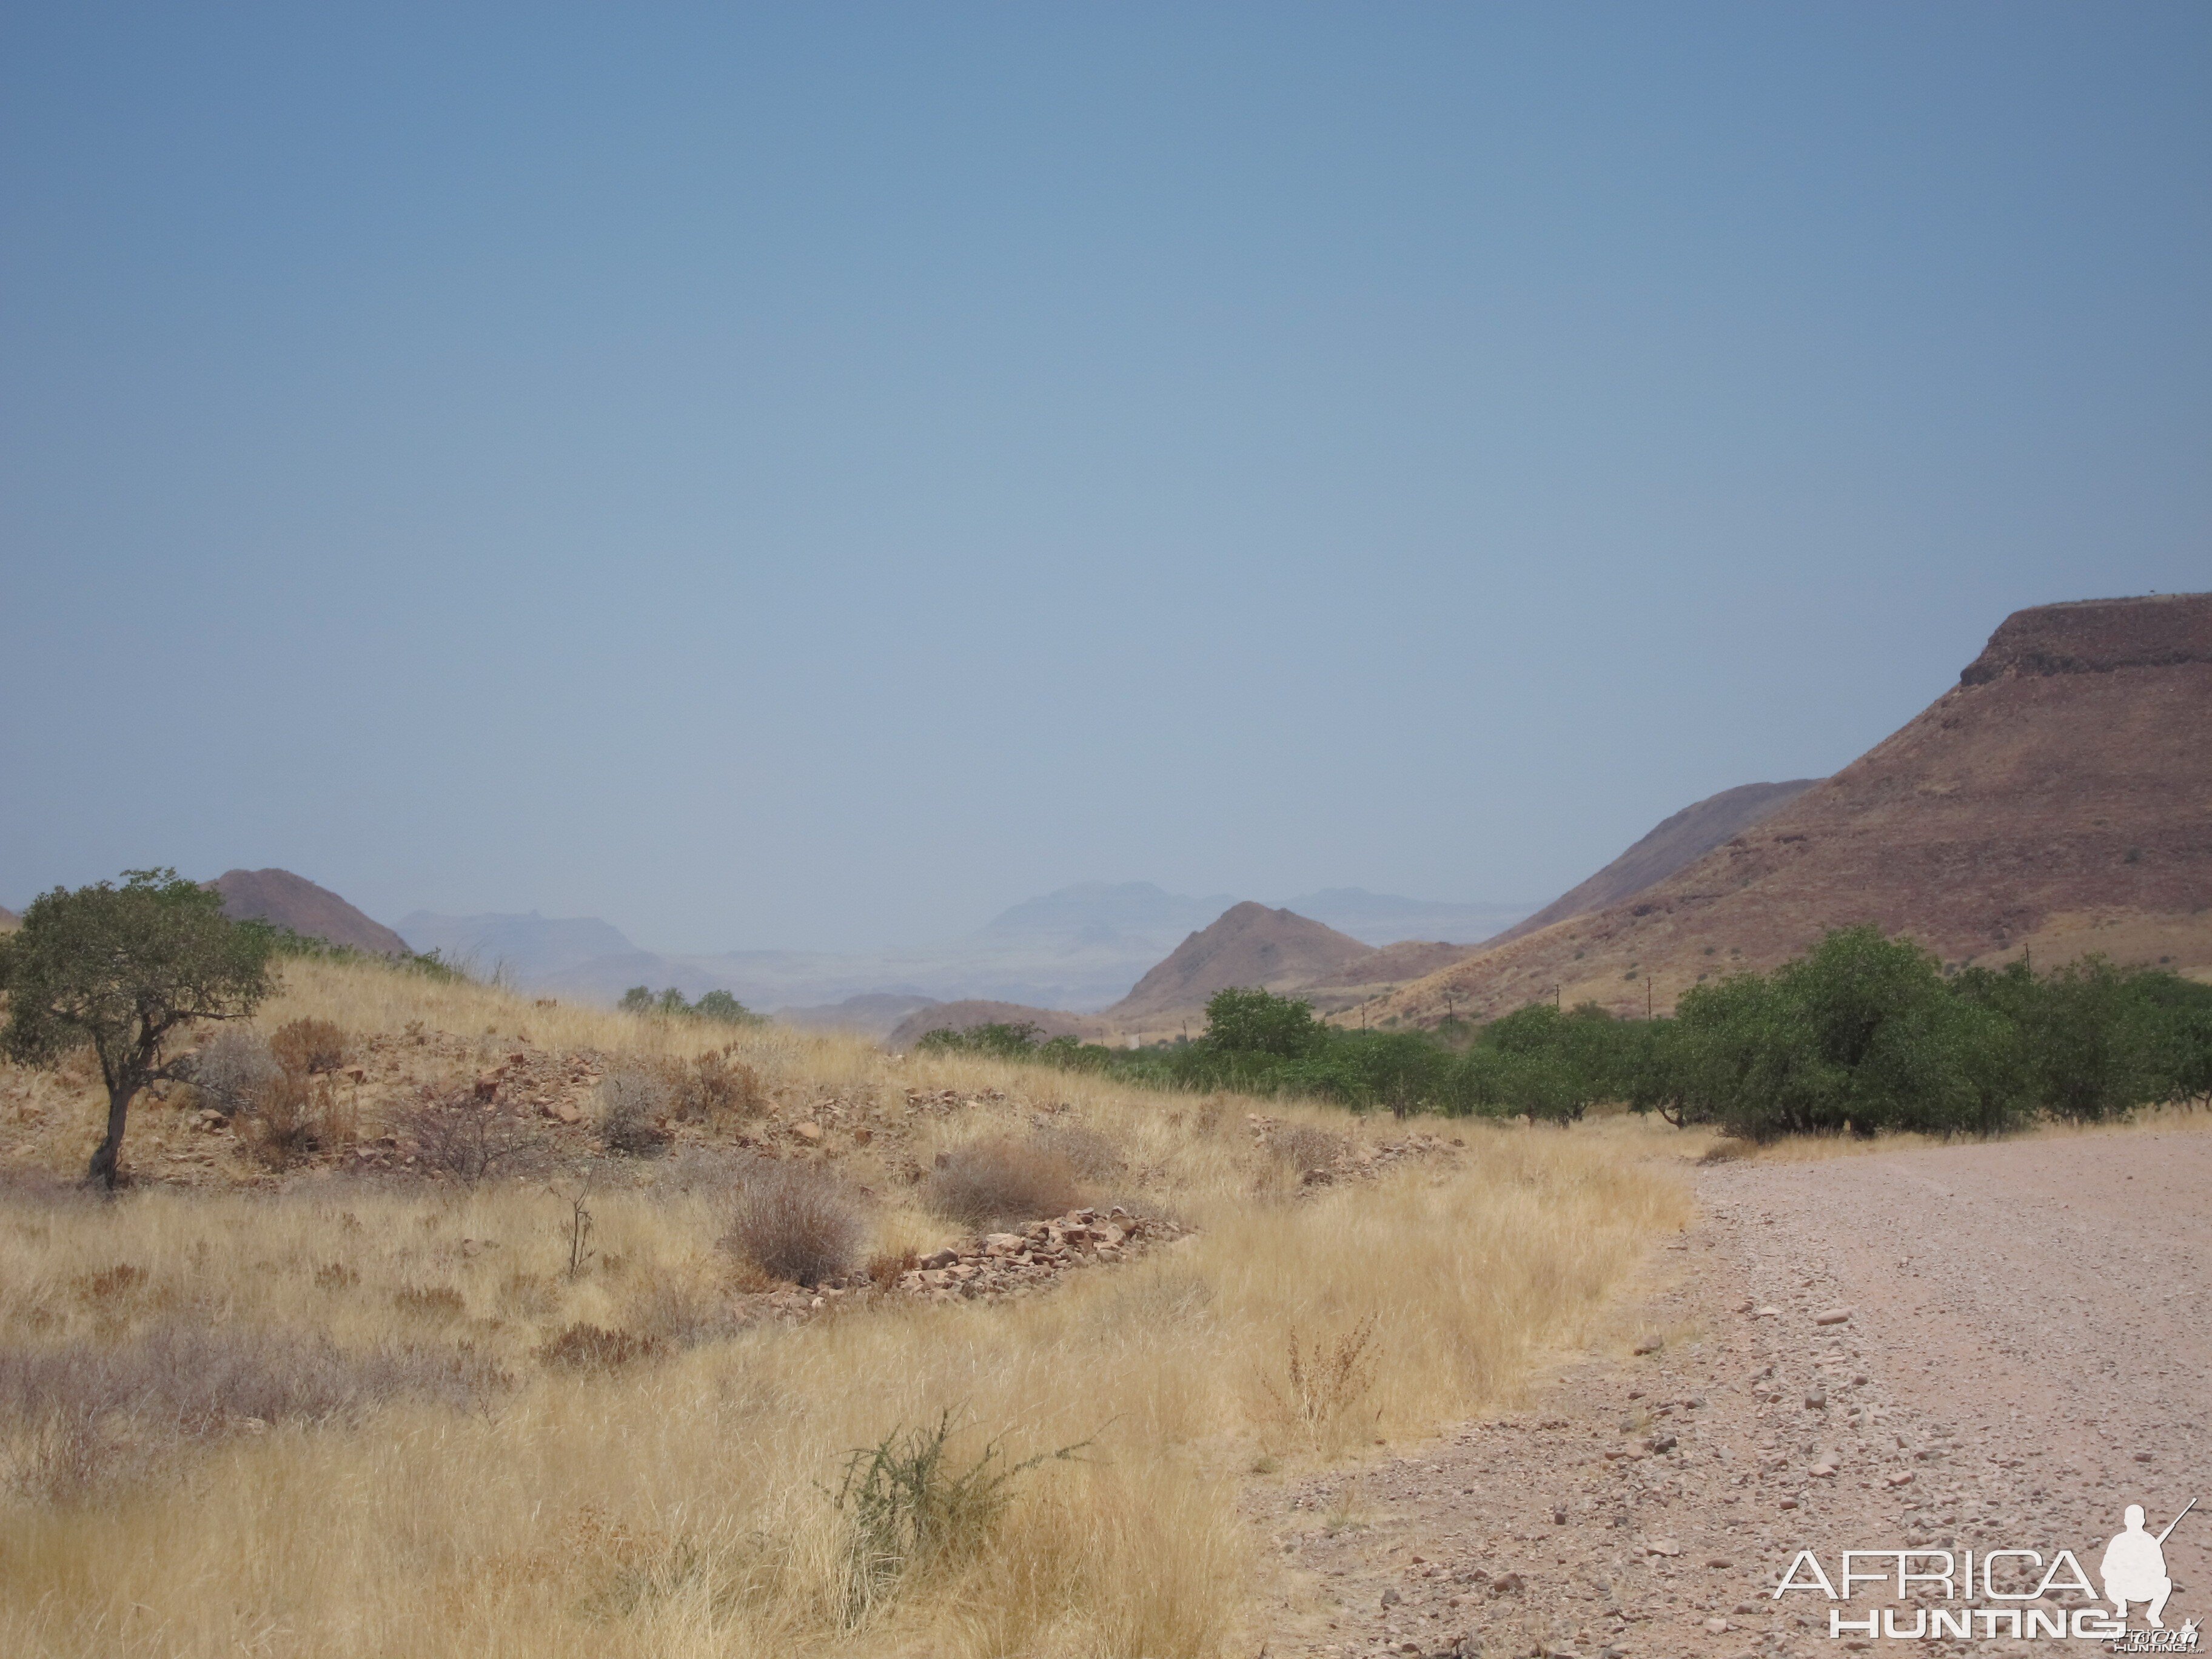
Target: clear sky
815, 475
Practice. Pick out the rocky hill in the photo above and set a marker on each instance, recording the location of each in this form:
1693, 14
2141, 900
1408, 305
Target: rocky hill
284, 900
9, 920
2058, 800
1689, 835
1247, 944
966, 1015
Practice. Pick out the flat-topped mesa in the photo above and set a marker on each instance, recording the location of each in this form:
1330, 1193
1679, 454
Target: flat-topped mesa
2097, 637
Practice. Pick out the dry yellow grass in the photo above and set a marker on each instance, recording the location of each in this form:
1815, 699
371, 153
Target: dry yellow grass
680, 1504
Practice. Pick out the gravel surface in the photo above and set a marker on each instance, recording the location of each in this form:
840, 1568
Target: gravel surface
2016, 1347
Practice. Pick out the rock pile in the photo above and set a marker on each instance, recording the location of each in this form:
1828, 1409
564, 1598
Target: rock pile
992, 1266
1000, 1264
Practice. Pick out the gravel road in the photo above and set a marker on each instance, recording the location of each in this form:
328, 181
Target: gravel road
2027, 1350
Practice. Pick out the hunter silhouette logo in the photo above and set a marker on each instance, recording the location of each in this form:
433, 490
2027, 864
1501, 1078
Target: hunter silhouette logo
2134, 1567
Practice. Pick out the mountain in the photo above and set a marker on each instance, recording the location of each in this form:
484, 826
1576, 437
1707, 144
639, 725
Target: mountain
1689, 835
9, 920
967, 1014
284, 900
1248, 945
1101, 912
531, 949
2056, 800
1388, 919
875, 1016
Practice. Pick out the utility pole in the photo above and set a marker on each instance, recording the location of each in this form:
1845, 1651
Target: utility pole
1647, 996
1555, 994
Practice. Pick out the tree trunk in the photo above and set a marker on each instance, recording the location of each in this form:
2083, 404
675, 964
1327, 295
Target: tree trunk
104, 1161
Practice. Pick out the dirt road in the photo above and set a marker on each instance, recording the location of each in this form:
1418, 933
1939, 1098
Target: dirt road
2028, 1350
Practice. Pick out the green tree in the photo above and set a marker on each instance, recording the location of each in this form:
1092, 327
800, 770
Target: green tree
1241, 1021
725, 1009
124, 971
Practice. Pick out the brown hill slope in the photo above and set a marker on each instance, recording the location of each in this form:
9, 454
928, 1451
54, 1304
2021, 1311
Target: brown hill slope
966, 1015
1688, 835
1247, 944
9, 920
284, 900
2057, 798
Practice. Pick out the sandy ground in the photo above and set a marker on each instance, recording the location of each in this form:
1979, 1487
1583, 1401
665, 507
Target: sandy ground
2028, 1350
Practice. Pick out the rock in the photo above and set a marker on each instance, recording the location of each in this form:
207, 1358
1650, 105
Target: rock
487, 1085
1815, 1401
1650, 1345
1662, 1443
1717, 1627
1720, 1561
1823, 1470
1507, 1583
944, 1258
1902, 1478
810, 1133
863, 1135
1662, 1546
1002, 1243
1768, 1313
1391, 1598
1833, 1317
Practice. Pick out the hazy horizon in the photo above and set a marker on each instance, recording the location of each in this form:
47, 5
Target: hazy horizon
819, 477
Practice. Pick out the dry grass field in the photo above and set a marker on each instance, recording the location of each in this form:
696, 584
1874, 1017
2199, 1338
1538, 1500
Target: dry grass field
340, 1407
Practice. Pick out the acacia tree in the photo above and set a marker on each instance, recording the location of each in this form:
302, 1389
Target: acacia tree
123, 970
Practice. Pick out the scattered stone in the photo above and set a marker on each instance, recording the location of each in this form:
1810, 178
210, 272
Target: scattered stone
1833, 1317
1662, 1546
809, 1133
1391, 1598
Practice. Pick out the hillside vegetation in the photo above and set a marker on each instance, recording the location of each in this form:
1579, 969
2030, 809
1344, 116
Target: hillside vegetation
325, 1380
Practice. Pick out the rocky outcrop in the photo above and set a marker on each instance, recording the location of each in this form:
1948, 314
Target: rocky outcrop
2097, 636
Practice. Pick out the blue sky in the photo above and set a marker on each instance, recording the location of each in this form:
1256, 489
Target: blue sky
814, 476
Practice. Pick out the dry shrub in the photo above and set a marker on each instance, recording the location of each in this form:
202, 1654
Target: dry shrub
288, 1118
1090, 1154
795, 1221
87, 1414
436, 1302
111, 1284
632, 1103
1323, 1386
309, 1047
1306, 1147
232, 1068
336, 1276
1003, 1180
885, 1266
455, 1135
716, 1086
592, 1347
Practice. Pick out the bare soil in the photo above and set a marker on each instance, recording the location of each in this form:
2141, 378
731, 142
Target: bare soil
2027, 1352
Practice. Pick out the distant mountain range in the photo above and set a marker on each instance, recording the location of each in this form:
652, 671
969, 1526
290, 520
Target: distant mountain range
1080, 948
